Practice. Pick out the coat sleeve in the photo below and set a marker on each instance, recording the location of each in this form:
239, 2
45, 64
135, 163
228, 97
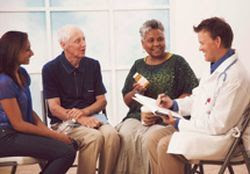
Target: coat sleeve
185, 104
225, 113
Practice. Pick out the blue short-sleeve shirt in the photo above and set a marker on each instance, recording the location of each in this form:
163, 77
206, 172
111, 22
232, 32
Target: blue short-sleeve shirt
9, 89
76, 87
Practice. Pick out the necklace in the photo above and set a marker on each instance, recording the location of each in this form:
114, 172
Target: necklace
167, 56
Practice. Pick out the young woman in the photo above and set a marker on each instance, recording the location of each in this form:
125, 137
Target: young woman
22, 133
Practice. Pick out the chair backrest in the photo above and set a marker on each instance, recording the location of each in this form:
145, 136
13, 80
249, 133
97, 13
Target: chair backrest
45, 108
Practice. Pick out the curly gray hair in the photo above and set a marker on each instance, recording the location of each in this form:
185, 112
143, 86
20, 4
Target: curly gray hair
149, 25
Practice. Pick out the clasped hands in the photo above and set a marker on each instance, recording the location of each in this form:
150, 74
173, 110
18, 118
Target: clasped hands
148, 118
83, 117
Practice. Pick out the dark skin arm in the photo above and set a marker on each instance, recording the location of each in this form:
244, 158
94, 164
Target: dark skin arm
12, 110
137, 88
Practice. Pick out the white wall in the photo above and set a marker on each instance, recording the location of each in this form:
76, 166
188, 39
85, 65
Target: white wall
183, 15
187, 13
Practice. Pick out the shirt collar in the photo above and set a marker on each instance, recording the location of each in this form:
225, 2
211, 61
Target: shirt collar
215, 65
69, 67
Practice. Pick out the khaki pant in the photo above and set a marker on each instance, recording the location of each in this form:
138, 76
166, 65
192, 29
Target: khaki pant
133, 157
103, 142
161, 162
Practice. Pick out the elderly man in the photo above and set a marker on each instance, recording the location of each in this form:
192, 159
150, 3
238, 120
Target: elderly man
74, 89
215, 106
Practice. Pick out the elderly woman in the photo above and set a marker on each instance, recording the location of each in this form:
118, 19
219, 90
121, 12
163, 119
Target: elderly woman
166, 73
22, 133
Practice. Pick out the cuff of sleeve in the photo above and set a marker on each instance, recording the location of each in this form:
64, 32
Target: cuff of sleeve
175, 106
176, 123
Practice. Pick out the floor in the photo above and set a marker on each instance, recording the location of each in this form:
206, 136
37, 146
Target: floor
34, 169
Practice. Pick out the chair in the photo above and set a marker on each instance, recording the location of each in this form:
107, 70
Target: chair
45, 111
14, 161
230, 159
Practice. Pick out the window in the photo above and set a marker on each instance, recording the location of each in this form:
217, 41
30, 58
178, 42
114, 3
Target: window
111, 29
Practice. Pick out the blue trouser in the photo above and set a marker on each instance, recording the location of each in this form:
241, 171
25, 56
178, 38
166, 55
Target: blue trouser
59, 156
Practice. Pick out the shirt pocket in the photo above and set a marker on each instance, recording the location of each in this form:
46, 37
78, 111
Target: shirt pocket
89, 93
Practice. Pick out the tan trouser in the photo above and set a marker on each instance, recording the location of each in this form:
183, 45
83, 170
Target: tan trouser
104, 141
133, 157
161, 162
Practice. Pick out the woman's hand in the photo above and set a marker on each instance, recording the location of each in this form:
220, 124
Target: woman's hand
64, 138
147, 117
164, 101
139, 88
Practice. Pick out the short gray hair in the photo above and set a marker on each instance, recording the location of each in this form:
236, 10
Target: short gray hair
149, 25
65, 32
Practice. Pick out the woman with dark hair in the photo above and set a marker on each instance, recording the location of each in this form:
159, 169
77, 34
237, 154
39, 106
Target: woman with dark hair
22, 133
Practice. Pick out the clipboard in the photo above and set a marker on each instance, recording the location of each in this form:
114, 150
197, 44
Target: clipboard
150, 103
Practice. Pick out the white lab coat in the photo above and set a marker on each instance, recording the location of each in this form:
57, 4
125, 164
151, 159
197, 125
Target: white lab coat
216, 107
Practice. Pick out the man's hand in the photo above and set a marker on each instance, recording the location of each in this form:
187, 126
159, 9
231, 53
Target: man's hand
90, 122
164, 101
74, 113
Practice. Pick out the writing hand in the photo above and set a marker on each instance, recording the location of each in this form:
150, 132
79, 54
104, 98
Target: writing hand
164, 101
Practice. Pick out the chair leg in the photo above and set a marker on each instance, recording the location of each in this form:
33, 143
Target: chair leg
12, 164
231, 170
222, 169
13, 169
187, 169
201, 169
194, 169
248, 166
247, 160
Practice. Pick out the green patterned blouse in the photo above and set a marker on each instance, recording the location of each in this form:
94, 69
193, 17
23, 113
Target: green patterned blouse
172, 77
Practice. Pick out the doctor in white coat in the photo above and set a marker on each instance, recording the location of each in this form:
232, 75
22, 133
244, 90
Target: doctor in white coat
215, 106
